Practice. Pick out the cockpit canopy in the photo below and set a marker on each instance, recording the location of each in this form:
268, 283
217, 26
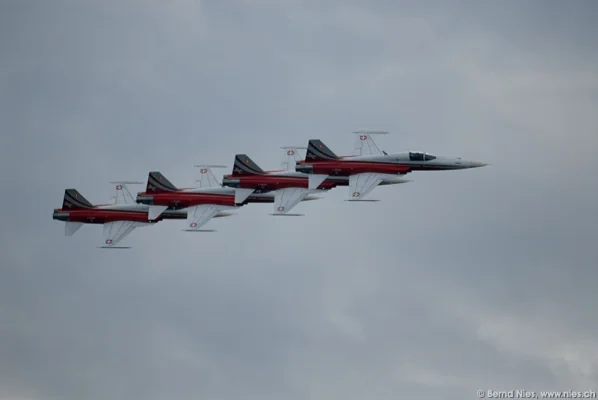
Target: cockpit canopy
418, 156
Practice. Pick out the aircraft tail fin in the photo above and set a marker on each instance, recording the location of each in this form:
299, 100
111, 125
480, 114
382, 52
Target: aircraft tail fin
156, 182
73, 199
245, 166
318, 151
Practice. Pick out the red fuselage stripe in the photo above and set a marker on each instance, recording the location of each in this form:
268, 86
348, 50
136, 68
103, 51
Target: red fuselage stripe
341, 167
274, 182
100, 216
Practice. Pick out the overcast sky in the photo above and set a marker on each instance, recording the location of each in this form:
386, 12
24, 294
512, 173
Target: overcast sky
455, 282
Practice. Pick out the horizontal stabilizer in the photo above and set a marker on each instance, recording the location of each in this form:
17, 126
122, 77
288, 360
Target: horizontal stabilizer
316, 180
199, 230
113, 247
242, 194
155, 211
71, 227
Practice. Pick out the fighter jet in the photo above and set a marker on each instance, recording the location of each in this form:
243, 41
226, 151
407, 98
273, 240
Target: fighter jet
288, 187
369, 165
292, 156
119, 219
202, 203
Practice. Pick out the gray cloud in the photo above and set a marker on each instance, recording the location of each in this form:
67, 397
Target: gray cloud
455, 282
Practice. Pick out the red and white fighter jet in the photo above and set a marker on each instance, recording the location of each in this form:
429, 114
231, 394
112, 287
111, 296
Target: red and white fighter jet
288, 186
202, 204
119, 219
369, 166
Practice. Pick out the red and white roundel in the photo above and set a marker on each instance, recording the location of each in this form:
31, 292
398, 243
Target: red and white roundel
290, 152
193, 225
119, 187
203, 171
108, 241
363, 137
281, 208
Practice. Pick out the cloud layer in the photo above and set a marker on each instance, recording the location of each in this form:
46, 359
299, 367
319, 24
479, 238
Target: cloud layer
455, 282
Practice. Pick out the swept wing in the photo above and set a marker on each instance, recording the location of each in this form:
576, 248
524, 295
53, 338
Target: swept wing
199, 215
286, 199
116, 231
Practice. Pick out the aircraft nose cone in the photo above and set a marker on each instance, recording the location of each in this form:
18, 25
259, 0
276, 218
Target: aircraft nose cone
477, 164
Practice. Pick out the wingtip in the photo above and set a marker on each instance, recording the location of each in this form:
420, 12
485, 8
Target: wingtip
366, 201
311, 197
366, 132
210, 166
287, 215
